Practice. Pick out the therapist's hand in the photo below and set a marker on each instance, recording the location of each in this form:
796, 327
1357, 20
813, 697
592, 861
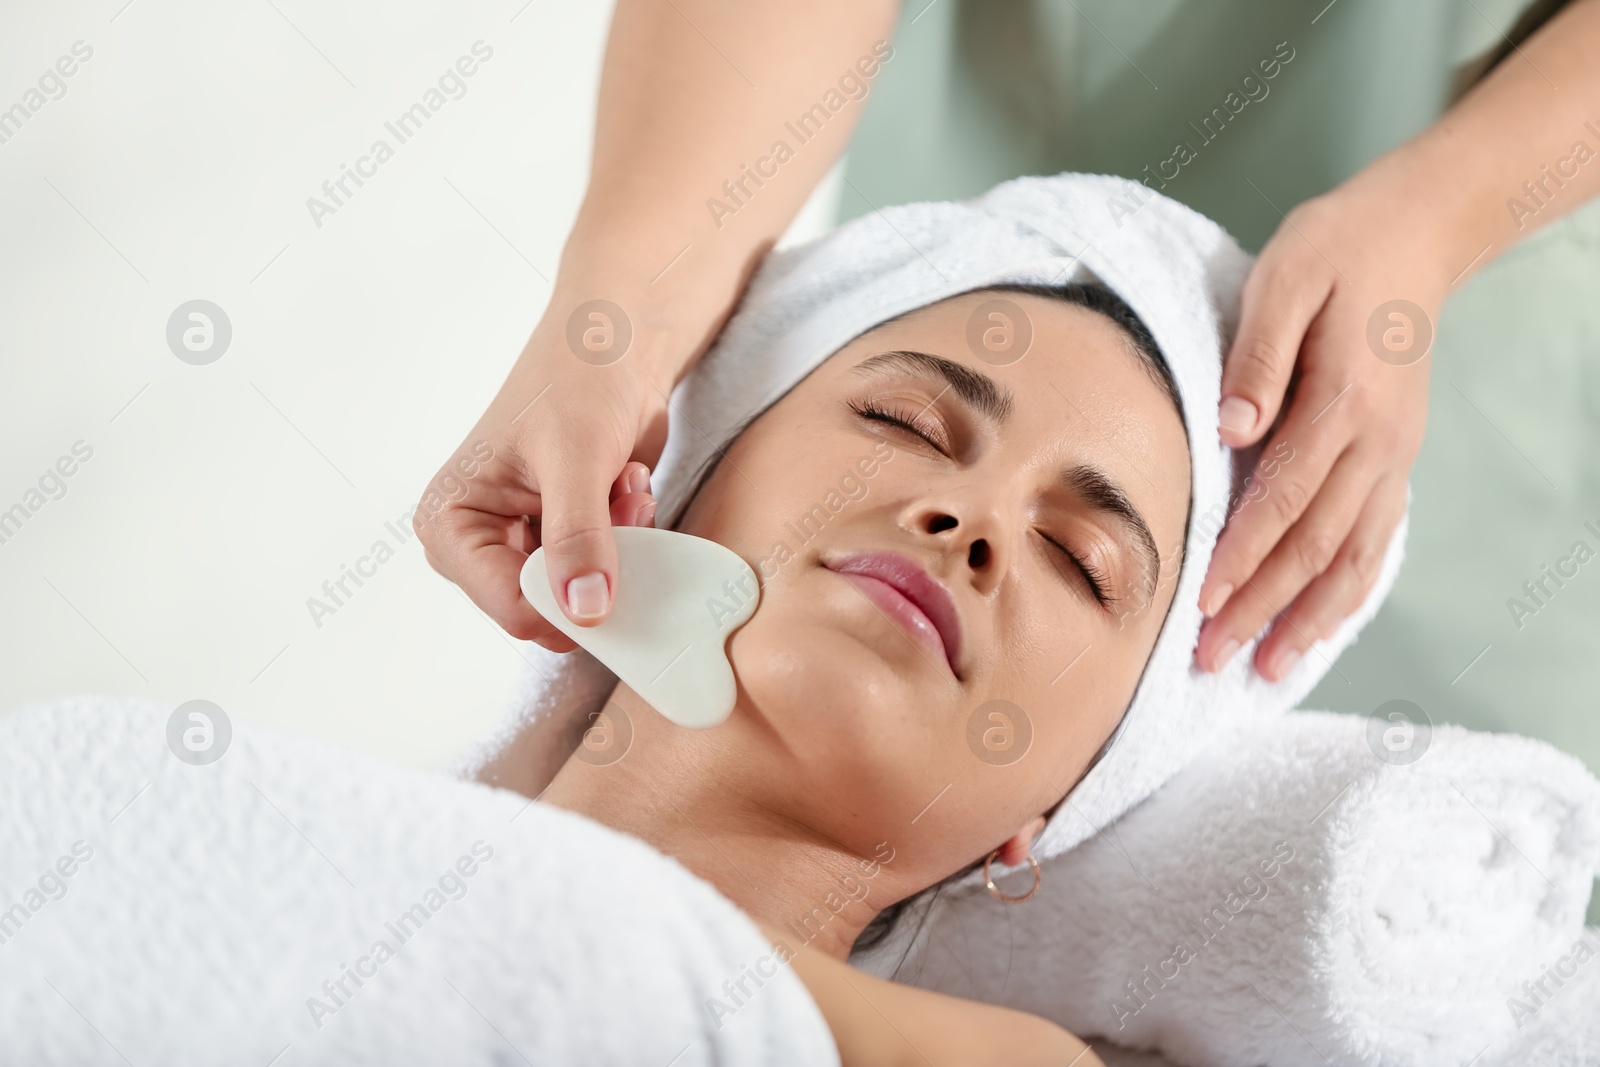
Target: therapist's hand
1409, 226
675, 116
559, 458
1320, 321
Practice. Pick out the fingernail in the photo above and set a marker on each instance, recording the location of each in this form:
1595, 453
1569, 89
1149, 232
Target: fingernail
1218, 599
1283, 659
639, 480
647, 514
586, 595
1237, 415
1225, 653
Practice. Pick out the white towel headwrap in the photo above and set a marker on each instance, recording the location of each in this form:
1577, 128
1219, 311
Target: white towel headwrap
1181, 272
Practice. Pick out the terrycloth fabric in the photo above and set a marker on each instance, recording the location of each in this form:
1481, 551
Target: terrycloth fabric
1290, 899
154, 912
1180, 271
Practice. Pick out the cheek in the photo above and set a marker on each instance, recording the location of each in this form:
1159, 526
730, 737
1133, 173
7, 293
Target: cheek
752, 494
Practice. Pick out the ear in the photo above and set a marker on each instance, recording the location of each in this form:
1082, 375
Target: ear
1016, 848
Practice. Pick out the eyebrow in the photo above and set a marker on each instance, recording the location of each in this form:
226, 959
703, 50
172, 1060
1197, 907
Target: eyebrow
982, 393
994, 403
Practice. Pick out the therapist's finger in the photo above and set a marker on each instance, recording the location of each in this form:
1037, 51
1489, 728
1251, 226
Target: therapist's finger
483, 552
574, 474
1305, 552
1292, 467
1282, 296
631, 502
471, 523
496, 547
1341, 589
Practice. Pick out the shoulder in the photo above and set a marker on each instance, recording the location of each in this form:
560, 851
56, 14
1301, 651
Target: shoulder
875, 1021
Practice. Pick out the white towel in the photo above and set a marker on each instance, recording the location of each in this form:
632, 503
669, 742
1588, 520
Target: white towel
154, 912
1182, 274
1290, 899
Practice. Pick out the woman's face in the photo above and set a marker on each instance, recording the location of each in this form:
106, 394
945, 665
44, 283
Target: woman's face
1048, 502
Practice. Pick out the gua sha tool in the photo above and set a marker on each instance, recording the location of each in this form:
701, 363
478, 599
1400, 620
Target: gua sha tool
677, 601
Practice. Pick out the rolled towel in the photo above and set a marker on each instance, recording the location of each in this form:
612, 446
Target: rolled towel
1291, 898
1565, 1032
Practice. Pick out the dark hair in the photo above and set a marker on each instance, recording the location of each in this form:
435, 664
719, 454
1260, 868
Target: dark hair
1142, 343
1530, 22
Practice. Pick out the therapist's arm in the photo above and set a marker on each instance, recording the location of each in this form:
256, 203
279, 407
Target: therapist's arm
693, 94
1518, 151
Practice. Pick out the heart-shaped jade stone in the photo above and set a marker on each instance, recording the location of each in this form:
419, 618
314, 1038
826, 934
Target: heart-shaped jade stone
678, 599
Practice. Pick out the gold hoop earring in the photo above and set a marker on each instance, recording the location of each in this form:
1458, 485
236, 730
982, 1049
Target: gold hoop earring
994, 890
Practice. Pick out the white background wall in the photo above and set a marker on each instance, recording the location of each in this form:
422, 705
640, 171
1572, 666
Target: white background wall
177, 166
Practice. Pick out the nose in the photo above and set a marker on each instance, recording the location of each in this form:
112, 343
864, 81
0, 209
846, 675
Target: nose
965, 525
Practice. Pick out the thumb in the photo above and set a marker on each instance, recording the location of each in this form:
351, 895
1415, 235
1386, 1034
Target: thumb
575, 532
1274, 317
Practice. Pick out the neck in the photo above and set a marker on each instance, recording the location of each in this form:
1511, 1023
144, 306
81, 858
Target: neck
688, 794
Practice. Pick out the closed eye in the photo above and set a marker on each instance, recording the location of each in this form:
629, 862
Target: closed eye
873, 411
1098, 583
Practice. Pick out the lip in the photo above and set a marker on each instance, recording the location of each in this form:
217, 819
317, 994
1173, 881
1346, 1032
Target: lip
910, 595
